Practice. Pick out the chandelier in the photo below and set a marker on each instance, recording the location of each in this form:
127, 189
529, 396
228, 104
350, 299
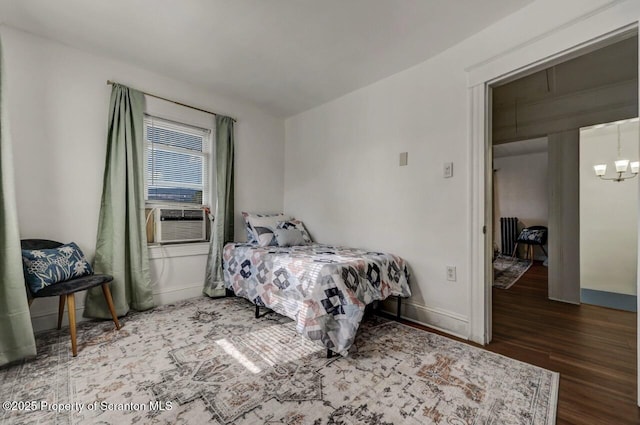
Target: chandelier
621, 166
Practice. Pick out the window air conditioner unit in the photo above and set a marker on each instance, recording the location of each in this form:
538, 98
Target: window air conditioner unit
180, 225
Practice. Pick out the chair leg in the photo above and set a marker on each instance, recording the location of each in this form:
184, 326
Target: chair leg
71, 310
61, 310
532, 251
107, 296
515, 250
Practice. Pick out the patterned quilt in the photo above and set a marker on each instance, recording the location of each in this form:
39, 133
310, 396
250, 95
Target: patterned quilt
323, 288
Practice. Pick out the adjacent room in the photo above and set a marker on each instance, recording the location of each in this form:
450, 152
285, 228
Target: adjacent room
561, 265
319, 212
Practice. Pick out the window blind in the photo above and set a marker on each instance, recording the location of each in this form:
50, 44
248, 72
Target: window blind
177, 162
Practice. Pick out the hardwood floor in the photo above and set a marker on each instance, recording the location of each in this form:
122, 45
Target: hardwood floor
593, 348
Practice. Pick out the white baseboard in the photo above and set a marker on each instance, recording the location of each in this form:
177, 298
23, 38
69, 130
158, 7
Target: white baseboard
172, 295
49, 319
441, 320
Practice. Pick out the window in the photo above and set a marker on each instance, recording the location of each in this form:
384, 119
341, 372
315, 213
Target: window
177, 162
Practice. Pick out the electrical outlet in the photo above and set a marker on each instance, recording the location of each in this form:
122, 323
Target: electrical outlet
448, 170
451, 273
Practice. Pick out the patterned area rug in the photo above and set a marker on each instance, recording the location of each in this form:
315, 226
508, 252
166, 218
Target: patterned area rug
507, 271
211, 361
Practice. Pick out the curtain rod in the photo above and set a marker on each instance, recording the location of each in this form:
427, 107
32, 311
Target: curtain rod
109, 82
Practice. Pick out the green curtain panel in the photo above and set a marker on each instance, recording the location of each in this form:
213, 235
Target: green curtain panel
121, 247
223, 223
16, 333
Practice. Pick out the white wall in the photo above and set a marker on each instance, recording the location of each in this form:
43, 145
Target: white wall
608, 212
521, 190
58, 101
344, 180
342, 175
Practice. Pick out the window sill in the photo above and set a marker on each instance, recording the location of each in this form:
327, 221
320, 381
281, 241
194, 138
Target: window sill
178, 250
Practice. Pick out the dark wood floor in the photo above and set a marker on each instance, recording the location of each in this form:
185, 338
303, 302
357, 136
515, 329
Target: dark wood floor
593, 348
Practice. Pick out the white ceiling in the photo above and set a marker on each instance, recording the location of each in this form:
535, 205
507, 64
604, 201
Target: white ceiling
284, 55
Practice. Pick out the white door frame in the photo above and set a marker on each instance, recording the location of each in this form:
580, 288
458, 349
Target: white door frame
587, 32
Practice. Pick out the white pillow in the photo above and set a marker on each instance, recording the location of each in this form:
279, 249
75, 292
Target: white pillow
261, 227
298, 225
289, 237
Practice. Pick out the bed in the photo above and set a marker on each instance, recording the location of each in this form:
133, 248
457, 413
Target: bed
323, 288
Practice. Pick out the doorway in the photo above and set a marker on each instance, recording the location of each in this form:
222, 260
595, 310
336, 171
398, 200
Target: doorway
538, 172
481, 81
544, 145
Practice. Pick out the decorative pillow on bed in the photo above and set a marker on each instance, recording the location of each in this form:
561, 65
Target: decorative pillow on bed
247, 228
297, 225
44, 267
289, 237
260, 227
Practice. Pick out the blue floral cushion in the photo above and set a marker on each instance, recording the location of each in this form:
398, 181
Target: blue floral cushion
44, 267
533, 236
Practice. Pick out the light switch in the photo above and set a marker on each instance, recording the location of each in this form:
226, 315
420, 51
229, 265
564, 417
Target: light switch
448, 170
404, 158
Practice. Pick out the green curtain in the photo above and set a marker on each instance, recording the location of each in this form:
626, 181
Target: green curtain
223, 222
121, 247
16, 333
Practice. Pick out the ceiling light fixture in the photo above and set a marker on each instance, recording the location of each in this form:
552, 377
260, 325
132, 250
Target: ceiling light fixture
621, 165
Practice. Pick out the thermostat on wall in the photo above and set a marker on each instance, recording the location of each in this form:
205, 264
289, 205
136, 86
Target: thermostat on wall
404, 158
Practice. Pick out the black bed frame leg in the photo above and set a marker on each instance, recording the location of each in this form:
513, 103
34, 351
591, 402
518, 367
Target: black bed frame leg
329, 353
257, 311
399, 306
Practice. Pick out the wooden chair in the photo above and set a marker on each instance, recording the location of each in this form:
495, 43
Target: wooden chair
66, 291
532, 236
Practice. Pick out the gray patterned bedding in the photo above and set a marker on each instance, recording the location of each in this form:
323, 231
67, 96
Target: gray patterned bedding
323, 288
